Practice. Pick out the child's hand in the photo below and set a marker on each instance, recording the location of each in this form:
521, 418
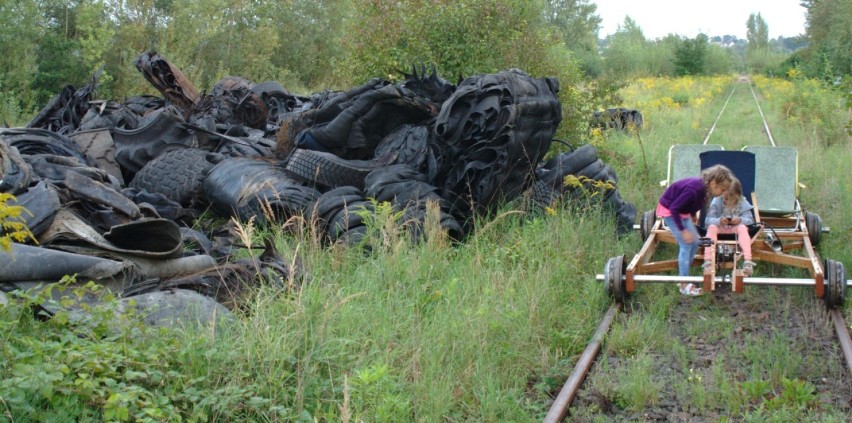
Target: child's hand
735, 221
687, 236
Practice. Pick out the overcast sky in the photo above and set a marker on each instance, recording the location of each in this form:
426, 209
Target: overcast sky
658, 18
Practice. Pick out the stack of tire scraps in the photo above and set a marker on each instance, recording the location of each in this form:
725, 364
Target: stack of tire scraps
114, 188
619, 118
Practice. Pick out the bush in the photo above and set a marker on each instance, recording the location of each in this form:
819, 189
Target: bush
12, 224
109, 366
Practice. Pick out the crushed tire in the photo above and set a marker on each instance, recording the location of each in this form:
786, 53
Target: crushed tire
246, 187
177, 174
327, 170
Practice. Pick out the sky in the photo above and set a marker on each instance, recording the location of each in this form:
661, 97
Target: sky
658, 18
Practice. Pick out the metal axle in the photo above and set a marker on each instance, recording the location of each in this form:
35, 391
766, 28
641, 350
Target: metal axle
721, 279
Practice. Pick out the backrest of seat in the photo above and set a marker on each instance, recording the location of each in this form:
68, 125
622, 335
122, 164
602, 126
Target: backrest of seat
741, 163
684, 160
776, 178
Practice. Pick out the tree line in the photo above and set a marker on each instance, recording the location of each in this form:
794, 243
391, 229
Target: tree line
310, 45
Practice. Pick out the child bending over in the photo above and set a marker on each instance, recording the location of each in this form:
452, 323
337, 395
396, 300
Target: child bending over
679, 206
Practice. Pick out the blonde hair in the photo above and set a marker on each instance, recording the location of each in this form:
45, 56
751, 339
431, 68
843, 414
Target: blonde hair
716, 173
735, 192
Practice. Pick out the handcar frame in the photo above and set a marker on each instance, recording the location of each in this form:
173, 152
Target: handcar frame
784, 232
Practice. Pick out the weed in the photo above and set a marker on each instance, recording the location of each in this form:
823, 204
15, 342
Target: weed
13, 226
755, 390
634, 335
638, 389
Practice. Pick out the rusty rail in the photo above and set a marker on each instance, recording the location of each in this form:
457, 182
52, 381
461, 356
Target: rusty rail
843, 336
559, 409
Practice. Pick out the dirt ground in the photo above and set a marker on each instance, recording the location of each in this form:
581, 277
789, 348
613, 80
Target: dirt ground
756, 319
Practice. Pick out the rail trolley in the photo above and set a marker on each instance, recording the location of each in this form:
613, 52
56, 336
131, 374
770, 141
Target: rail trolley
785, 233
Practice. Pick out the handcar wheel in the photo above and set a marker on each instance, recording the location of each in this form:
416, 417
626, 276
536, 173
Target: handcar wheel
814, 224
613, 281
835, 283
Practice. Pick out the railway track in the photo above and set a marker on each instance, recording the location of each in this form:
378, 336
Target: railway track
815, 322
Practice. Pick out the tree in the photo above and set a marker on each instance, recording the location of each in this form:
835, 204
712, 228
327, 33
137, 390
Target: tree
829, 36
625, 54
58, 55
758, 56
578, 25
140, 26
19, 37
757, 33
309, 32
690, 55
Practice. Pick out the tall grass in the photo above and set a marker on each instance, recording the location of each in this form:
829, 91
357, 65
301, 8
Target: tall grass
430, 332
486, 330
801, 114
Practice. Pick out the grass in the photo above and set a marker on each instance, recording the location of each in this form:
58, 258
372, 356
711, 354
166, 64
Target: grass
773, 382
483, 331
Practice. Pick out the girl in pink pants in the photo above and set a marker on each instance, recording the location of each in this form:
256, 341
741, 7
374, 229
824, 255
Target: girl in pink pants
730, 213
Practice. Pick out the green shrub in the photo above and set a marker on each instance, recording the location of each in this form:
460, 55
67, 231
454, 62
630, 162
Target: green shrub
13, 227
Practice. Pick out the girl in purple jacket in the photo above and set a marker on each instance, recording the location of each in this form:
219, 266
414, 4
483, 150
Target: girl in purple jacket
679, 206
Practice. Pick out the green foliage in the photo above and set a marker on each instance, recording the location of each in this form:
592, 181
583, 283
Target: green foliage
578, 24
377, 396
460, 38
719, 60
625, 50
829, 52
639, 389
764, 61
107, 365
13, 226
18, 37
690, 56
310, 32
812, 104
587, 190
757, 33
755, 390
633, 336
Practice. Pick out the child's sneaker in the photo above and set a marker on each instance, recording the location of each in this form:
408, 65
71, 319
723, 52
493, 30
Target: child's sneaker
748, 267
691, 290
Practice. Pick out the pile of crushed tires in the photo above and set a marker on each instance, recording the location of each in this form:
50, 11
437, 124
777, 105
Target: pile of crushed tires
618, 118
113, 189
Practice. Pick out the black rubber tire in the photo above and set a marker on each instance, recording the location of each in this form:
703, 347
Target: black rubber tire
246, 186
835, 283
592, 169
329, 203
348, 218
625, 212
177, 174
607, 174
814, 224
570, 163
542, 196
613, 283
636, 119
327, 170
